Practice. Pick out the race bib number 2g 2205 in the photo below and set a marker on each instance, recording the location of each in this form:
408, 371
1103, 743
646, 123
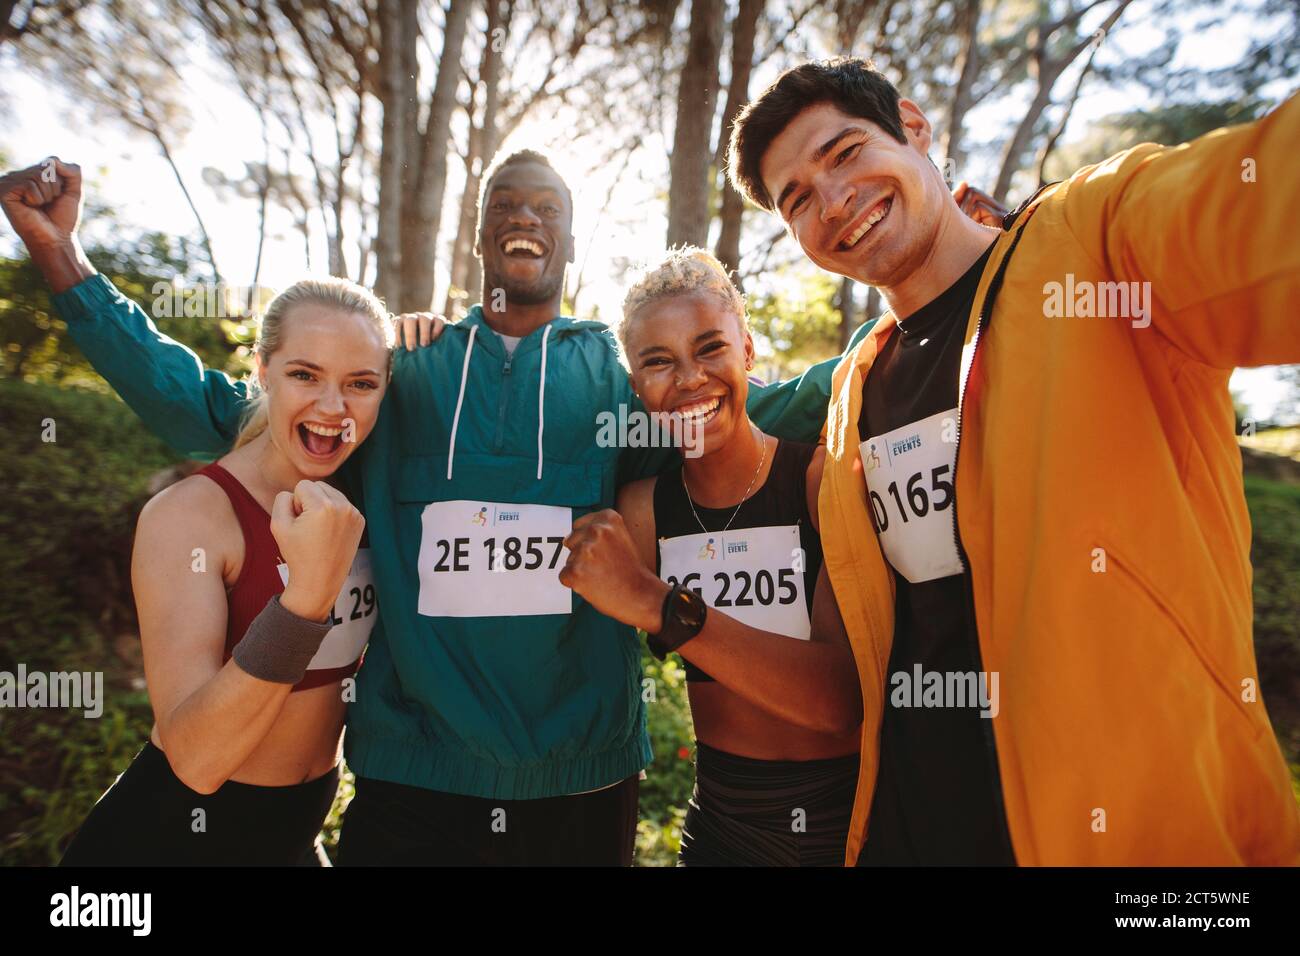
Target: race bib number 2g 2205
487, 559
909, 473
754, 575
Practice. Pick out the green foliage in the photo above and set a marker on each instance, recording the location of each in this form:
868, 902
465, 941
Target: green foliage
1167, 125
66, 520
671, 776
799, 319
36, 343
1275, 558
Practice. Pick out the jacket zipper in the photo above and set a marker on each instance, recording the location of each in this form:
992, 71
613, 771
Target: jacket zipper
990, 743
504, 403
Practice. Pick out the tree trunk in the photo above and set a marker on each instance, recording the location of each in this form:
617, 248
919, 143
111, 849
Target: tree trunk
848, 314
742, 63
422, 212
392, 147
263, 195
203, 230
697, 99
962, 99
466, 276
1059, 130
1013, 155
1046, 70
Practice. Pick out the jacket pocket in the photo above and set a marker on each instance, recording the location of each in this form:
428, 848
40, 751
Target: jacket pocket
1129, 572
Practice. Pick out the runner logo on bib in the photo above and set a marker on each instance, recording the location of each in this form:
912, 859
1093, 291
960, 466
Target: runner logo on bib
488, 559
909, 487
752, 574
353, 616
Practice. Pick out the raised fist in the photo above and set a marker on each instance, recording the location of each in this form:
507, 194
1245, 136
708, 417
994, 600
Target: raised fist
318, 531
43, 203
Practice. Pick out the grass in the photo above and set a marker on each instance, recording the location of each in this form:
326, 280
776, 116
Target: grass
1276, 441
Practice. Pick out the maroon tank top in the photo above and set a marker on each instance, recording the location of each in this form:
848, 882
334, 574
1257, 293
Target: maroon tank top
259, 578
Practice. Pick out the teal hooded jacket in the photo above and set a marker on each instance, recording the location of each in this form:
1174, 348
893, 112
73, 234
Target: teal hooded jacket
493, 704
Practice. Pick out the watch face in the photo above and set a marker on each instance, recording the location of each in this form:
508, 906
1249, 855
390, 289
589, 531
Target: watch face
689, 608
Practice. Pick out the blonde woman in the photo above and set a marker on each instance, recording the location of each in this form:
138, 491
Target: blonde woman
719, 560
254, 605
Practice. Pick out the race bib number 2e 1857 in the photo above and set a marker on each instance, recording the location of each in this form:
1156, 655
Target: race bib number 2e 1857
487, 559
909, 473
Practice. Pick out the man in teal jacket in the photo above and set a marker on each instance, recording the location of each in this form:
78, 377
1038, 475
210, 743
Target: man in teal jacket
499, 718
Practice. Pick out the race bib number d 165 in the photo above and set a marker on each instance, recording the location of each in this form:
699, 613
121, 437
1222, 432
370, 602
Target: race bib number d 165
752, 574
353, 616
485, 559
909, 475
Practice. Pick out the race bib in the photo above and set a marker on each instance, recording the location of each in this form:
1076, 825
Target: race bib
484, 559
353, 616
909, 485
752, 574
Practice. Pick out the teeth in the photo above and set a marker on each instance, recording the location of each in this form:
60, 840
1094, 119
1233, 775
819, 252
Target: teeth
700, 411
322, 430
863, 229
512, 244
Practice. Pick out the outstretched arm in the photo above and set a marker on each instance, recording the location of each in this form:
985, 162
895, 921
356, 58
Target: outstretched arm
1210, 225
195, 410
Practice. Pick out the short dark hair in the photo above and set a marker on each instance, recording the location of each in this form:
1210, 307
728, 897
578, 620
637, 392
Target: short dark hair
500, 161
851, 85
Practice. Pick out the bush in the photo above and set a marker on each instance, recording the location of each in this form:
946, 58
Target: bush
1275, 558
67, 518
671, 774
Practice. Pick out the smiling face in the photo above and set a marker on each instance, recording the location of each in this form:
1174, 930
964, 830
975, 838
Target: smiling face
324, 383
525, 236
689, 355
859, 203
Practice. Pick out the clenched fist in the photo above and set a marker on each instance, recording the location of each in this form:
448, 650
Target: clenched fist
318, 531
605, 569
43, 204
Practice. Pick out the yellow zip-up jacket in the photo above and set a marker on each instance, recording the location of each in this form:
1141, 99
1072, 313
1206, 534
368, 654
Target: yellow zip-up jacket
1100, 505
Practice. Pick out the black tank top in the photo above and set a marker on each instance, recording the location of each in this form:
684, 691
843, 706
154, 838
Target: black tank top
781, 501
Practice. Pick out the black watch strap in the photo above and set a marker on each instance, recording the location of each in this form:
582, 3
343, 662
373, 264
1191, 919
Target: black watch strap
683, 618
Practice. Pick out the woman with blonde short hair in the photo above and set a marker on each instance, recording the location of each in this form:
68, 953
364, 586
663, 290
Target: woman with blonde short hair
719, 559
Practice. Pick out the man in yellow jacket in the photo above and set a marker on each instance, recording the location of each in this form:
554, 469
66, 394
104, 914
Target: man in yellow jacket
1032, 508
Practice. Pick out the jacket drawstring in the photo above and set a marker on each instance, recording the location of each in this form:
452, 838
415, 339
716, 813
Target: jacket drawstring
460, 399
541, 403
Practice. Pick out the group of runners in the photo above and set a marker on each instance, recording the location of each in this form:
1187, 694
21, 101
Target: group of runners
1055, 674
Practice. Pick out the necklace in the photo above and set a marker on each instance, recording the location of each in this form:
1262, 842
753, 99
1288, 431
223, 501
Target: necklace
743, 499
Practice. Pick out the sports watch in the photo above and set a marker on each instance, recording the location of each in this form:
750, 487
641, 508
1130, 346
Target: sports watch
683, 618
